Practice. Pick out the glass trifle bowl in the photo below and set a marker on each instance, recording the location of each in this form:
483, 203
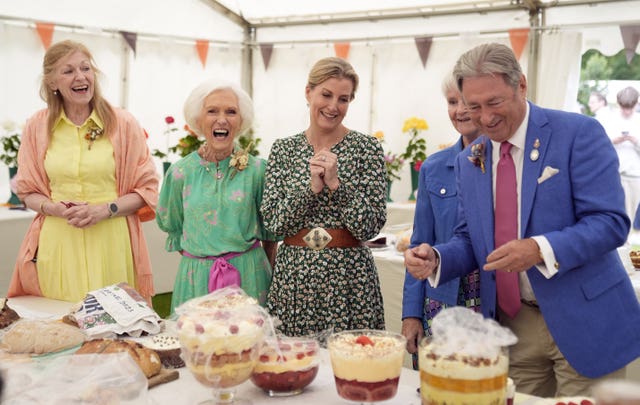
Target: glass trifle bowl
286, 365
220, 340
466, 361
366, 363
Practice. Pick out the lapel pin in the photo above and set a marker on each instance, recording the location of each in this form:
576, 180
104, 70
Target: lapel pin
536, 143
534, 155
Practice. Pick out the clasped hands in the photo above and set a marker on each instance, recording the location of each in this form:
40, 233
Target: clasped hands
514, 256
79, 213
323, 167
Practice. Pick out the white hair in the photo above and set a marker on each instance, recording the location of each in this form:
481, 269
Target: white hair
194, 102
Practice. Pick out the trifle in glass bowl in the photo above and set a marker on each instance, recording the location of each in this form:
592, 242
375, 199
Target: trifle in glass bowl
220, 338
466, 361
286, 365
366, 363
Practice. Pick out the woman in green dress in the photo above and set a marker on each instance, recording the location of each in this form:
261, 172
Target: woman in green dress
327, 180
209, 201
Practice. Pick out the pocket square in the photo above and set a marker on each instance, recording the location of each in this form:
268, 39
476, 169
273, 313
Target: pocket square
547, 173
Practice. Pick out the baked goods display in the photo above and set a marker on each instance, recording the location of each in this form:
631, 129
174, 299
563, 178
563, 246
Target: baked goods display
147, 359
403, 240
366, 364
40, 337
7, 315
286, 365
566, 401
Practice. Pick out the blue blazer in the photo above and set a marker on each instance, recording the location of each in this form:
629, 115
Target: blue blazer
434, 220
589, 306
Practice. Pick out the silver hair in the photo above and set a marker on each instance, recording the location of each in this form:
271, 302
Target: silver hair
449, 83
488, 59
194, 102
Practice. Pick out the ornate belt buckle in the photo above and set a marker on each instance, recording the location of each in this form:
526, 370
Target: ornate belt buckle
317, 238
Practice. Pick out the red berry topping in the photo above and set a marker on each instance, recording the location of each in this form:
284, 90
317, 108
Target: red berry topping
234, 329
264, 358
285, 346
300, 356
364, 340
199, 329
586, 402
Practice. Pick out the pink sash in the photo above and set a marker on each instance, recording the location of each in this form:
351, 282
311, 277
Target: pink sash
222, 273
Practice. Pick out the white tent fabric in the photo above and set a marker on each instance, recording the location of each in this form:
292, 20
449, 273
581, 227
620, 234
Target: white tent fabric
394, 84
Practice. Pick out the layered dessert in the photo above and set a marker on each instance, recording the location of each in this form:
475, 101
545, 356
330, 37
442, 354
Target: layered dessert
459, 379
220, 347
286, 365
366, 364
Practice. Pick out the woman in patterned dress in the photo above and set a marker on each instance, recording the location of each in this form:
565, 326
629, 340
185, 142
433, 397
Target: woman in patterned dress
326, 179
435, 217
210, 199
84, 167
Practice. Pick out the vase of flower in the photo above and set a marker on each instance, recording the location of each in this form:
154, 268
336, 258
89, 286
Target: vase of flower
416, 151
389, 183
165, 167
415, 176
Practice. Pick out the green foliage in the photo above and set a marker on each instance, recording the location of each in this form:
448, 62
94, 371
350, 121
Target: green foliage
416, 150
393, 164
10, 147
250, 143
186, 145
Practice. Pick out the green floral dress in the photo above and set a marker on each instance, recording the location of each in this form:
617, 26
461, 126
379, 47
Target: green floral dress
210, 210
315, 291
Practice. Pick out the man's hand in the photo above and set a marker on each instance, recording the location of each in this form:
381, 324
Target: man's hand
420, 261
412, 330
515, 256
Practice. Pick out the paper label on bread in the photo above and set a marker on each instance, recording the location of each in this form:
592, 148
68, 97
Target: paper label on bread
116, 310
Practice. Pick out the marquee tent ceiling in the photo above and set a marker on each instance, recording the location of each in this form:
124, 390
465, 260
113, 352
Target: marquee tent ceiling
265, 13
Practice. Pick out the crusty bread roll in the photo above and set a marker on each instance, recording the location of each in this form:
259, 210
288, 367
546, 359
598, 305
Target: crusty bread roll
147, 359
40, 336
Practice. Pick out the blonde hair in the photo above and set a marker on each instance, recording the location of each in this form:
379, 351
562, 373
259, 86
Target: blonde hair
54, 101
332, 67
194, 102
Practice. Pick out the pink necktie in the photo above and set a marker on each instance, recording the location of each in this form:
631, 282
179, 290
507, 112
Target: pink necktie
506, 223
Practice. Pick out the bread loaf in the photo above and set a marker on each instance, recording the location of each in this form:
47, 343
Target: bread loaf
39, 337
7, 315
147, 359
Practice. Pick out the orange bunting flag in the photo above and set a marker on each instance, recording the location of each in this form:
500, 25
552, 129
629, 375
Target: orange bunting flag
342, 49
518, 38
45, 31
202, 46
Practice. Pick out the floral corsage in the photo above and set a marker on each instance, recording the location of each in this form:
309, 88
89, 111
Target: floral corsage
93, 134
477, 156
239, 160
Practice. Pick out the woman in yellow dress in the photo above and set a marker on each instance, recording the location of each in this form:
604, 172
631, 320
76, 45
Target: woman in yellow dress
85, 168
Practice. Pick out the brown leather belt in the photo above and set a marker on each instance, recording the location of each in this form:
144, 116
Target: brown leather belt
340, 238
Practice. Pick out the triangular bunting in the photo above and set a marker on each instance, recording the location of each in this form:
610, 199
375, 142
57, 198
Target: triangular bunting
518, 38
342, 49
202, 46
630, 39
424, 46
45, 31
266, 50
131, 38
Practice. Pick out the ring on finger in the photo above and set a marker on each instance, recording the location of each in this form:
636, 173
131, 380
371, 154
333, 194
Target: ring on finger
323, 158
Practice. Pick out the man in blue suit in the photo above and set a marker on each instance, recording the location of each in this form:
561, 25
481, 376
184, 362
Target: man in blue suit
577, 319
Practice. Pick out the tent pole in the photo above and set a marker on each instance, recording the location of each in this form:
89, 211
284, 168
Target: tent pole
536, 20
246, 74
124, 76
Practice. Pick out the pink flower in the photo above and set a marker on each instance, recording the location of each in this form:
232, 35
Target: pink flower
417, 165
169, 119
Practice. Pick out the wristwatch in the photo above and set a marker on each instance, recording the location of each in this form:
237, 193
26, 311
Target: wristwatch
113, 209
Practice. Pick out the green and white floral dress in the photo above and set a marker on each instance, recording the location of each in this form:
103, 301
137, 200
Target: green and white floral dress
333, 288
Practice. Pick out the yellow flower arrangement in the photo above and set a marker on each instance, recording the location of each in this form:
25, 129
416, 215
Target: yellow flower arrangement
416, 151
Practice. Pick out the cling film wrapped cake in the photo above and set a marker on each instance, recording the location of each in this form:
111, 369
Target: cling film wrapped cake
466, 360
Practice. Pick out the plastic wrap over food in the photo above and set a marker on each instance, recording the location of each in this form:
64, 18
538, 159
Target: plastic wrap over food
459, 330
88, 379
